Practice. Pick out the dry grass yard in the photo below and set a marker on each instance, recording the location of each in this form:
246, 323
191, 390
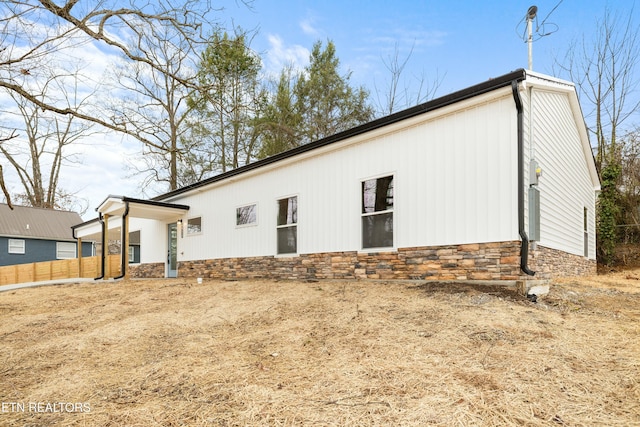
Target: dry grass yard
173, 353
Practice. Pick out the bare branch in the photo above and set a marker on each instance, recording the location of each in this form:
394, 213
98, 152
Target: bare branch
3, 186
396, 98
117, 127
4, 189
33, 31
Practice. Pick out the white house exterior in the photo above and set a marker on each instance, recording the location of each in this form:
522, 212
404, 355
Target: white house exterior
439, 191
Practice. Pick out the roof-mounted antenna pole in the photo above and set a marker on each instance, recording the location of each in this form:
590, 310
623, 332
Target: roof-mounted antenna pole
531, 14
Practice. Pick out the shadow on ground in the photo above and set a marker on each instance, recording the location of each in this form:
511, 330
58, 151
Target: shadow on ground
472, 289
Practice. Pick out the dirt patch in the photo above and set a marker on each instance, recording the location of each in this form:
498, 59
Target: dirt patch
478, 292
172, 352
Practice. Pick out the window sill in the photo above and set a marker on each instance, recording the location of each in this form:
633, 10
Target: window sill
292, 255
254, 224
375, 251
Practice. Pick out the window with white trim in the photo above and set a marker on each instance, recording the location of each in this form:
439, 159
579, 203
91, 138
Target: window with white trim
377, 212
194, 226
65, 250
16, 246
246, 215
132, 253
288, 225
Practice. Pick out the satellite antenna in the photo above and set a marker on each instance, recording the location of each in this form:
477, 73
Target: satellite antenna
531, 14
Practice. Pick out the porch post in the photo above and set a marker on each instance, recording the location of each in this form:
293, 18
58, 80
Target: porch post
105, 248
125, 249
79, 243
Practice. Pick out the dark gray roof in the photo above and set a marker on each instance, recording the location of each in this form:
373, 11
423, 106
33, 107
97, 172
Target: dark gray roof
37, 223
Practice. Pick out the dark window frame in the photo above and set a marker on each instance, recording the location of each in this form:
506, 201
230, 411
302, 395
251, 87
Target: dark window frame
287, 226
377, 212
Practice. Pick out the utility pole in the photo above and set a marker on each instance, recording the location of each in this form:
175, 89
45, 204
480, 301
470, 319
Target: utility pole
531, 14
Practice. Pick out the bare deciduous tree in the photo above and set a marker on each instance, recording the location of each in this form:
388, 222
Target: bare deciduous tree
604, 70
152, 102
32, 32
3, 186
399, 93
39, 148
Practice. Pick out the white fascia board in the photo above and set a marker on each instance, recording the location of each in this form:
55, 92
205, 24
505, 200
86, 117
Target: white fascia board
89, 229
117, 205
113, 205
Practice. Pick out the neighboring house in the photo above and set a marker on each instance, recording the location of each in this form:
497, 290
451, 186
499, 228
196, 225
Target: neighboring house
496, 181
33, 234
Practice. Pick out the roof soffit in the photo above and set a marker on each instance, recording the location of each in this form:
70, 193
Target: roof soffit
118, 205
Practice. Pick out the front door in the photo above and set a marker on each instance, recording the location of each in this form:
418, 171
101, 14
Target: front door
172, 252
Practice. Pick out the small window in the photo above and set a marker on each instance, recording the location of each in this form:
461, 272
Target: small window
16, 246
132, 254
65, 250
585, 221
288, 225
194, 226
377, 213
246, 215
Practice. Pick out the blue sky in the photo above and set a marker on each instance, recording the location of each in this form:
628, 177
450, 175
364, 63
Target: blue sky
457, 43
461, 43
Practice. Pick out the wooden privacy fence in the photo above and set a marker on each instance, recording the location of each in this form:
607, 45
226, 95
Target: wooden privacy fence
55, 270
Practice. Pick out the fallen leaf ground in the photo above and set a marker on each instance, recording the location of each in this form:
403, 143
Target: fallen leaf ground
253, 353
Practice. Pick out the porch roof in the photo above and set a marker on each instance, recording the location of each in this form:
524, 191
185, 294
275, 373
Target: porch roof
138, 208
117, 206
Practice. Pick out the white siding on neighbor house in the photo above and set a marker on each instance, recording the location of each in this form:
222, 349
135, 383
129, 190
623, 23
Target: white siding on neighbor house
454, 183
565, 187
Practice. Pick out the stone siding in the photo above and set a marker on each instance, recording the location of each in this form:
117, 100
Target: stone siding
552, 263
151, 271
479, 261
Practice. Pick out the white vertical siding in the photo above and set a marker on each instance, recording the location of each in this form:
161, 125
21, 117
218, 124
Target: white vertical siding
153, 239
455, 182
565, 186
460, 184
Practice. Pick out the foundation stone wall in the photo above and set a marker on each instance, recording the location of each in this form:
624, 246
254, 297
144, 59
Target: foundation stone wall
480, 261
151, 271
552, 263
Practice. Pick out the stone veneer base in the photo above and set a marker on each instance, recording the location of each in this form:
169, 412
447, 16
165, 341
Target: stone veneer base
151, 271
551, 263
478, 261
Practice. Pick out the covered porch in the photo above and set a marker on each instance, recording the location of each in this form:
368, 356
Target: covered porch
111, 228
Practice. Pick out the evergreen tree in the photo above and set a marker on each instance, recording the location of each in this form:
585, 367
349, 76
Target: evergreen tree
324, 98
229, 100
313, 104
281, 121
